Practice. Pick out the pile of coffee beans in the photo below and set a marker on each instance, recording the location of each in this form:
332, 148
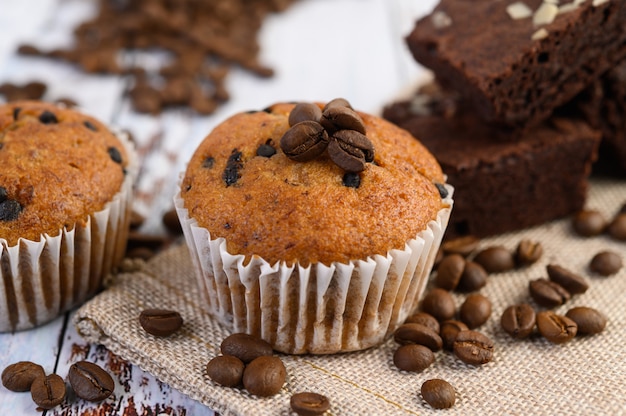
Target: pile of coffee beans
88, 380
250, 362
204, 38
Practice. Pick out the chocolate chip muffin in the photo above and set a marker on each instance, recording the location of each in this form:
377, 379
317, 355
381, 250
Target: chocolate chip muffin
314, 226
65, 188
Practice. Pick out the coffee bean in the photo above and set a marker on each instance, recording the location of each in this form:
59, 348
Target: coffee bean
246, 347
231, 174
518, 320
606, 263
588, 223
495, 259
264, 376
449, 330
226, 370
588, 320
474, 348
617, 227
304, 112
115, 154
439, 303
425, 319
438, 393
136, 220
350, 150
19, 376
10, 210
160, 322
338, 118
449, 272
90, 381
555, 328
418, 334
548, 293
351, 180
337, 102
528, 252
305, 141
171, 222
309, 403
473, 278
463, 245
48, 391
413, 357
475, 310
569, 280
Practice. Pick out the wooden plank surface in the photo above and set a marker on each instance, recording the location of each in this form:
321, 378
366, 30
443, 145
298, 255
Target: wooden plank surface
320, 49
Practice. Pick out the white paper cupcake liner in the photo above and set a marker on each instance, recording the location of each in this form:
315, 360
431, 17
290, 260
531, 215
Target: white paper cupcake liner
317, 309
39, 280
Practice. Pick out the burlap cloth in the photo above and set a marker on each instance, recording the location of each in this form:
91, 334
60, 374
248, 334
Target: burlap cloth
529, 377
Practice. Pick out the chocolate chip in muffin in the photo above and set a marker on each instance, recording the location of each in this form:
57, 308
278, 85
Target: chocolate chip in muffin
115, 154
442, 190
266, 149
9, 210
3, 193
208, 162
48, 117
90, 126
231, 173
351, 180
16, 112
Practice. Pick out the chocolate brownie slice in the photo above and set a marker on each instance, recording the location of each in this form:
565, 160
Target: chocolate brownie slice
518, 60
603, 105
500, 185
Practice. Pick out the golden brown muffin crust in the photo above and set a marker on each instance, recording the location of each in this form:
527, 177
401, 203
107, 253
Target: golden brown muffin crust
280, 209
58, 164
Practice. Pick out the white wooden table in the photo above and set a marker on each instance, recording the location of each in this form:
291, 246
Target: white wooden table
320, 49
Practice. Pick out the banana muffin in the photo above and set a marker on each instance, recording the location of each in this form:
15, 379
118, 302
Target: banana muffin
313, 226
65, 190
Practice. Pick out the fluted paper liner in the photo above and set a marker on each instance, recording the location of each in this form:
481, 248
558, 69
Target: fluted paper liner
317, 309
42, 279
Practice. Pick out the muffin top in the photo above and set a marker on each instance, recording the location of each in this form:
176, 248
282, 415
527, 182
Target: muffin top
58, 166
241, 185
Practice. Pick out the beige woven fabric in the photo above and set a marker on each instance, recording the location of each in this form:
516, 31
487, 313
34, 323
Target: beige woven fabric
586, 376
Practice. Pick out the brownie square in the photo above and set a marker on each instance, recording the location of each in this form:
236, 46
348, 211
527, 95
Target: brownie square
500, 185
516, 70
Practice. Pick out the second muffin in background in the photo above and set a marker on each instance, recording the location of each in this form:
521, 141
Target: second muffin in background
314, 227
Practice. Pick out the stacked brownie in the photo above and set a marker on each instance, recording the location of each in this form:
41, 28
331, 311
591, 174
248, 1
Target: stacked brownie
502, 70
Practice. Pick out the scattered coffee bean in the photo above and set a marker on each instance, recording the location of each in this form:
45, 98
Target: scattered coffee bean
309, 403
226, 370
425, 319
449, 330
90, 381
588, 223
439, 303
474, 277
438, 393
19, 376
264, 376
171, 222
495, 259
475, 310
606, 263
160, 322
617, 227
555, 328
528, 252
338, 118
48, 391
548, 293
231, 174
305, 141
518, 320
569, 280
449, 271
413, 357
246, 347
463, 246
588, 320
474, 348
304, 112
418, 334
